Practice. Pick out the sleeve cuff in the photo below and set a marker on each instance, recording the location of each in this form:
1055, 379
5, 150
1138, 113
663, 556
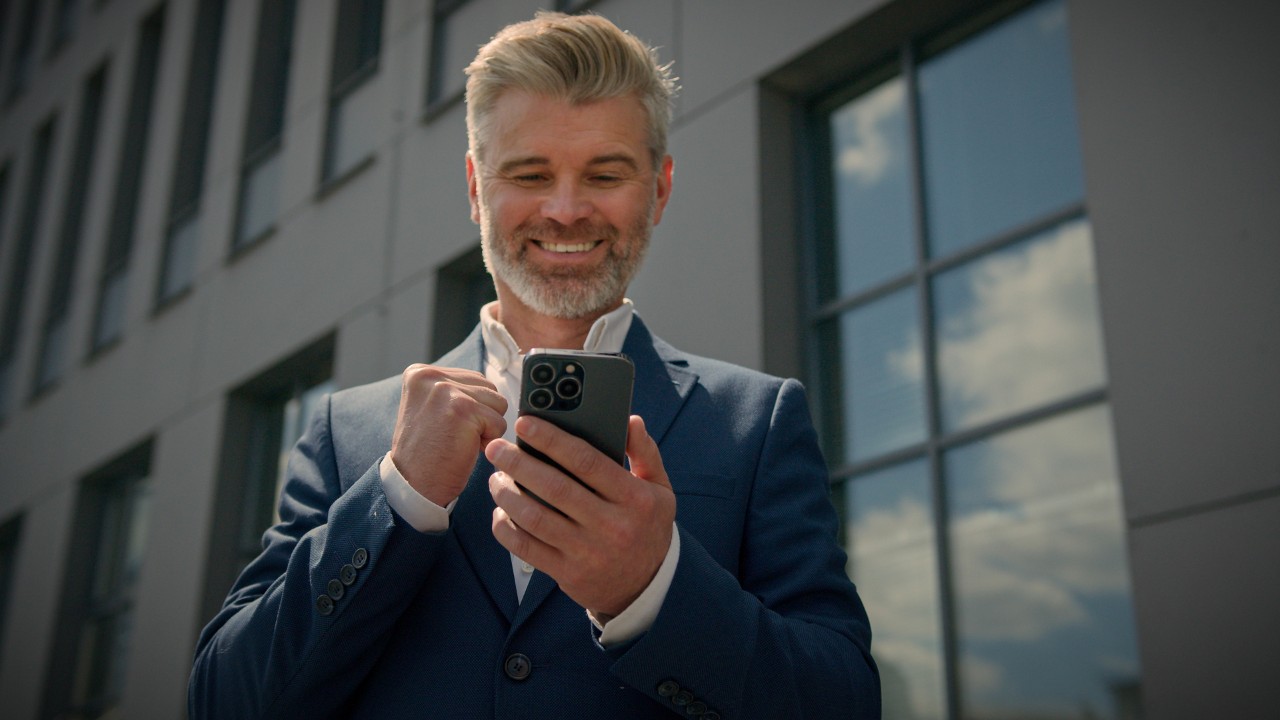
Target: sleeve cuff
421, 514
639, 615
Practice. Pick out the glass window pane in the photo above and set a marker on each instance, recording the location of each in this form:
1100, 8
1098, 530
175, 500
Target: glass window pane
110, 323
259, 199
889, 536
353, 129
1018, 327
881, 374
180, 257
873, 206
1045, 626
998, 125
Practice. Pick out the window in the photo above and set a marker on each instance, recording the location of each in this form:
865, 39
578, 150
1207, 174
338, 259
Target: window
20, 266
22, 64
265, 417
178, 264
458, 29
959, 363
113, 283
352, 130
463, 286
92, 643
574, 6
10, 533
259, 196
65, 23
52, 359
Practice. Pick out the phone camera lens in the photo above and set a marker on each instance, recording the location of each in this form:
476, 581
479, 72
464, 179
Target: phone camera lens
568, 388
542, 373
541, 399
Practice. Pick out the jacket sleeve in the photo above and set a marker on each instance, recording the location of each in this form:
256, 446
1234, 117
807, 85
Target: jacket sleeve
784, 634
306, 620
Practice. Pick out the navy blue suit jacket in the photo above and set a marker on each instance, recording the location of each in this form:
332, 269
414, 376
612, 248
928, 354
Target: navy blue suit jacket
760, 621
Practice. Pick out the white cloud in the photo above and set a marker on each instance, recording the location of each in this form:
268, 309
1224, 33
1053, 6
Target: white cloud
867, 153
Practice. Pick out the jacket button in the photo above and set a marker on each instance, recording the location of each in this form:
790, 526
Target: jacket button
360, 557
324, 604
347, 574
682, 698
711, 715
335, 589
518, 666
696, 708
668, 688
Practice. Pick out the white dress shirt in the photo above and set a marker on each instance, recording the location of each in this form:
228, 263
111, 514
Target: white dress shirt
502, 365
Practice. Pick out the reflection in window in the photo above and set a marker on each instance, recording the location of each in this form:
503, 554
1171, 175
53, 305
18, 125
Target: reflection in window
108, 323
352, 112
882, 377
178, 266
889, 535
959, 363
93, 644
1018, 327
873, 203
1042, 595
259, 197
998, 120
53, 343
264, 419
15, 289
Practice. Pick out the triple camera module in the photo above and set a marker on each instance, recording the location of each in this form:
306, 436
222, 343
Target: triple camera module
557, 385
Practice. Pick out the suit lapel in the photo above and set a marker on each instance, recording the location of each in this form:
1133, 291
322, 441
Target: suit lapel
662, 385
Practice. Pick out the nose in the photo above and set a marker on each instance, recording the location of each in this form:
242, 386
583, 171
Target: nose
566, 203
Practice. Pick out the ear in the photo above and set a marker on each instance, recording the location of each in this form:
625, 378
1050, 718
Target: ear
663, 189
472, 191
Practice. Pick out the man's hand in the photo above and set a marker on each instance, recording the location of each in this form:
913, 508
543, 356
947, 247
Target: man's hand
446, 417
603, 548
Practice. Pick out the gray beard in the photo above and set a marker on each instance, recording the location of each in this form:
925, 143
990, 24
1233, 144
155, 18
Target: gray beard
571, 293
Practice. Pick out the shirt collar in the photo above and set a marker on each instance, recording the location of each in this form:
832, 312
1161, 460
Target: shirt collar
607, 334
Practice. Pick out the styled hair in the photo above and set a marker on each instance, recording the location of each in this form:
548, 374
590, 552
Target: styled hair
577, 58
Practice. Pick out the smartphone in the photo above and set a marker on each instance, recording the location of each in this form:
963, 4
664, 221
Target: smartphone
584, 393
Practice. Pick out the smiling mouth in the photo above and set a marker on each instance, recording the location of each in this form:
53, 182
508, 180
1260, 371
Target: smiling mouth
568, 247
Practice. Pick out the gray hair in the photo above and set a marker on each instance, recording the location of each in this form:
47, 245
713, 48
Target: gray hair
578, 58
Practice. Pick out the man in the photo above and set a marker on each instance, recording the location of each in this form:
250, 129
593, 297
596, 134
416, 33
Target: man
701, 580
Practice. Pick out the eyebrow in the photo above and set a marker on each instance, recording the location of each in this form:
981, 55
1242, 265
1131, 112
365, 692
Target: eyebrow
512, 165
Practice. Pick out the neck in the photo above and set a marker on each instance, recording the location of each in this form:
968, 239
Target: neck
531, 329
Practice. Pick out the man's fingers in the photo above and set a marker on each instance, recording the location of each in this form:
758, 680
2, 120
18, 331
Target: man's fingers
642, 451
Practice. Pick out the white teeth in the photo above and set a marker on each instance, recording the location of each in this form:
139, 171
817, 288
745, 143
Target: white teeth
568, 248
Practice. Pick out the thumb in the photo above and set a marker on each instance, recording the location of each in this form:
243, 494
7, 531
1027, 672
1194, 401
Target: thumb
642, 452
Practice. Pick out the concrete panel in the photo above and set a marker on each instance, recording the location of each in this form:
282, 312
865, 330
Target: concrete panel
1206, 592
1178, 109
171, 579
699, 286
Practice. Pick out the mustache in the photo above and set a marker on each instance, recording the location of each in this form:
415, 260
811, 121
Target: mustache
552, 231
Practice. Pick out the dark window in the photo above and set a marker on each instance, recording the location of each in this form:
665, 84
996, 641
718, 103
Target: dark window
353, 114
178, 265
463, 286
108, 322
92, 642
23, 62
265, 417
52, 359
10, 534
65, 23
20, 266
458, 29
259, 196
959, 364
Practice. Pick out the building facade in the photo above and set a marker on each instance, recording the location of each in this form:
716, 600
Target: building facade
1023, 255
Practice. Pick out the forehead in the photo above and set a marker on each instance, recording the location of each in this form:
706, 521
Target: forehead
524, 124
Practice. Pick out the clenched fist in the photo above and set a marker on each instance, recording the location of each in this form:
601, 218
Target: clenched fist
446, 417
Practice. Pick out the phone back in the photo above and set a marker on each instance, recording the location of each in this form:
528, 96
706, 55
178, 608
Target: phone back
586, 394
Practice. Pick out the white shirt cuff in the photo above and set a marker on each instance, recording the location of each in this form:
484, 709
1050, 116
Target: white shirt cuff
639, 615
421, 514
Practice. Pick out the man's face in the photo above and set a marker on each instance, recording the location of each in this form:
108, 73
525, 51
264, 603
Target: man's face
566, 198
